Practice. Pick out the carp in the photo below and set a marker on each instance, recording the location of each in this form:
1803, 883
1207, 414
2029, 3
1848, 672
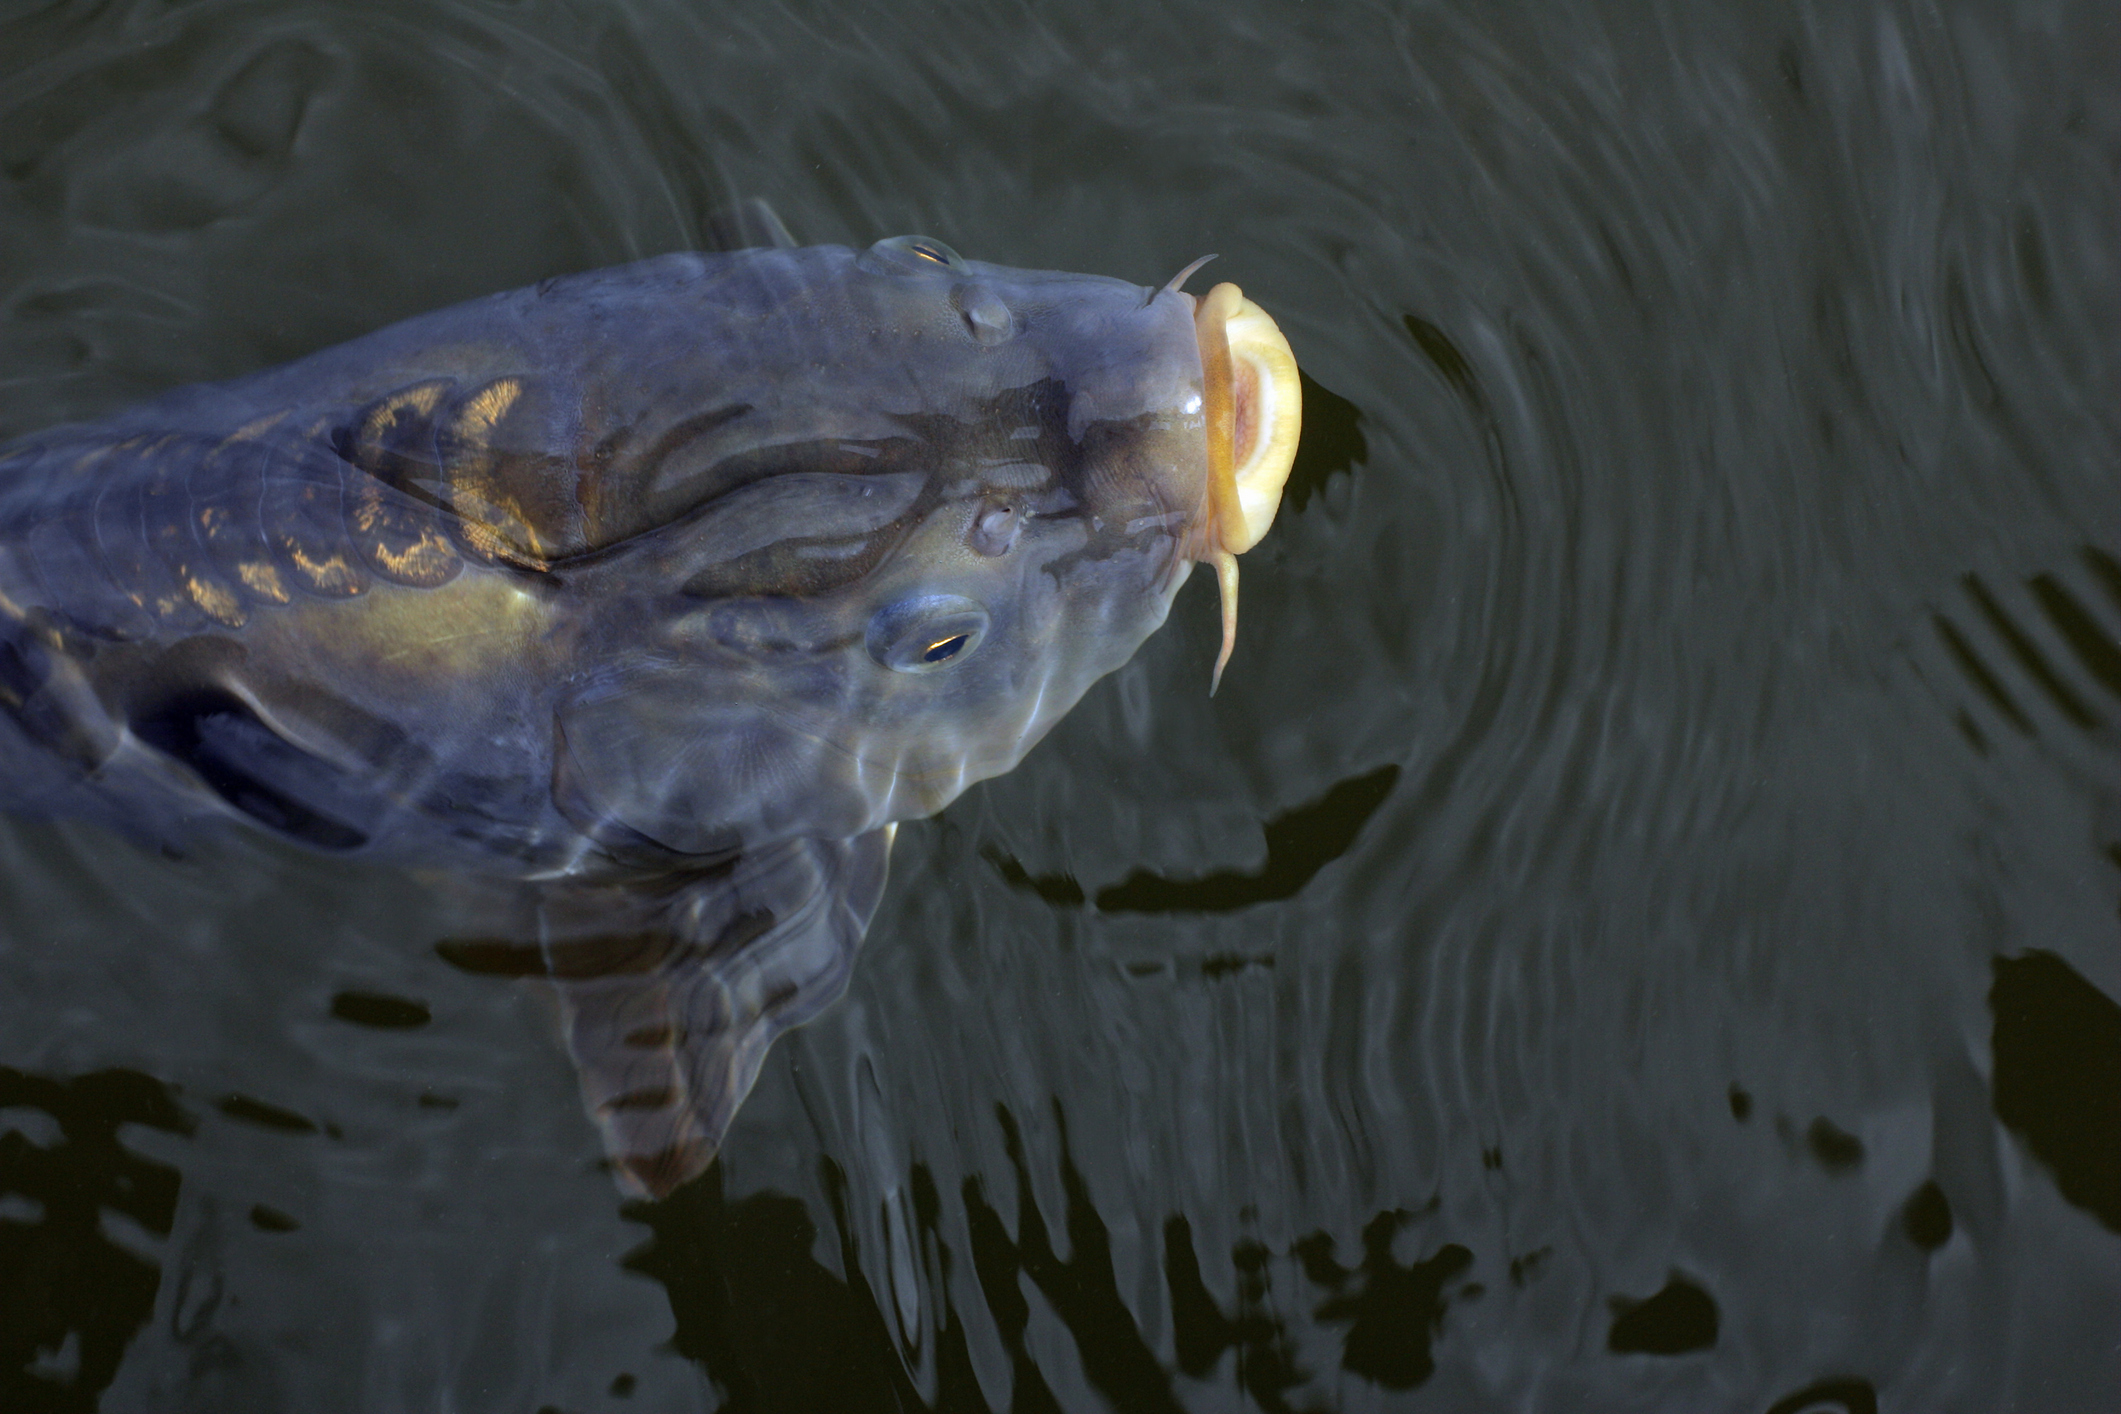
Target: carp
660, 592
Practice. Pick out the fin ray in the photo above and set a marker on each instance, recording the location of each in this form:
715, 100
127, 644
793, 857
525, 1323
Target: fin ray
669, 1021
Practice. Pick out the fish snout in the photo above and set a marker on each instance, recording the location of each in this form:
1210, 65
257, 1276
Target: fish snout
1252, 399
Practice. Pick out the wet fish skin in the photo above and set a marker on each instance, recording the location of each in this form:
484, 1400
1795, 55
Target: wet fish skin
625, 587
547, 536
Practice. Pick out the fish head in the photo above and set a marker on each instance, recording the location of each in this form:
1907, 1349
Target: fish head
999, 484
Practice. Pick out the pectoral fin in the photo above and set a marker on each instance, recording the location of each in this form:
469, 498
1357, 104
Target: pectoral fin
669, 1021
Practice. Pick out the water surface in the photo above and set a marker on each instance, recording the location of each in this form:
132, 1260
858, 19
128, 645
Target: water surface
1636, 929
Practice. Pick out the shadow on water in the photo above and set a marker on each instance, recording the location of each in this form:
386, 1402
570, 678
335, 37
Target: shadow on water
776, 1329
1681, 1317
2057, 1048
1845, 1395
1300, 842
1332, 444
1395, 1312
2004, 659
71, 1298
756, 1309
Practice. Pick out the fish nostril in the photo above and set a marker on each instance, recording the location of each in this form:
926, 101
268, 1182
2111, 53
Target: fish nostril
987, 318
995, 529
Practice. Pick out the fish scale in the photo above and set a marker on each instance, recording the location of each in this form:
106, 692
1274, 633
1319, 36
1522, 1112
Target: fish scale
224, 490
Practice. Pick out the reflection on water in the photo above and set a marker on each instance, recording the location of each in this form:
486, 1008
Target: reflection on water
1635, 929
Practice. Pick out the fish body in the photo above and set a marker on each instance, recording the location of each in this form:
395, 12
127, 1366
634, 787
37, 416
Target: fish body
665, 590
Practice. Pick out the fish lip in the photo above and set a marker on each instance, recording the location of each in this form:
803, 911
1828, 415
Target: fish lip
1252, 401
1252, 404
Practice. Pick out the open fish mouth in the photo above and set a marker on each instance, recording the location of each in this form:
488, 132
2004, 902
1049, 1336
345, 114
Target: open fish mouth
1253, 403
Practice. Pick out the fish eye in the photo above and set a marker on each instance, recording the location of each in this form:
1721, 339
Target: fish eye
926, 632
911, 255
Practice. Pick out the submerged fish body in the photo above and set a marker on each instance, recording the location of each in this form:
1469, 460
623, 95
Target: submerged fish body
666, 590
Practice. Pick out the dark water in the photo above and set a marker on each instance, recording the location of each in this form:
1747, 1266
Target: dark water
1636, 930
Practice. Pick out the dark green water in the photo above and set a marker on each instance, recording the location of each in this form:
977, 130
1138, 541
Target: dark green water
1637, 929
